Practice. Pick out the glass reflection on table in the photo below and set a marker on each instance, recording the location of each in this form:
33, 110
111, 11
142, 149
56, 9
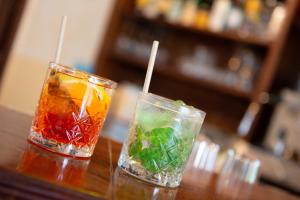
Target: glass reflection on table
233, 188
52, 167
128, 187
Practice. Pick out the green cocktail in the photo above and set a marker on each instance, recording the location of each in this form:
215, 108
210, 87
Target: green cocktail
160, 139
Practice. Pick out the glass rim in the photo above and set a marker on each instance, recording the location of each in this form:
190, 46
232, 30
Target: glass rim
242, 157
172, 106
90, 77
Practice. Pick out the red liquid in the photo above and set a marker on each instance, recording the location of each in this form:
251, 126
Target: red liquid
66, 128
70, 111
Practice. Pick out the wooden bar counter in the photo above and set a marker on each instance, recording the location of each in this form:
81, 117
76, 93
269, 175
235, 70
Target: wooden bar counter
29, 172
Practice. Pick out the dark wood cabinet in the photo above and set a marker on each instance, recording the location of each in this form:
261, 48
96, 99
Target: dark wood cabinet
230, 108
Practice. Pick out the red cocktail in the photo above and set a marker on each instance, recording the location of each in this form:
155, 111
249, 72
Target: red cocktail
71, 111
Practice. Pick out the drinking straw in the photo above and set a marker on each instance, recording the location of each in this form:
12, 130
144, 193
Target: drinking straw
150, 66
60, 39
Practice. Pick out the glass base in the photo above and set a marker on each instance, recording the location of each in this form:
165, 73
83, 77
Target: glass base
60, 148
133, 168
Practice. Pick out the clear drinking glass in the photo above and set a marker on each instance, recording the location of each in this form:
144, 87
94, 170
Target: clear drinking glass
242, 167
237, 176
160, 139
71, 111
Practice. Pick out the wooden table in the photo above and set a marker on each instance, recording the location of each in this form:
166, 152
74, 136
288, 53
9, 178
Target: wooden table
28, 172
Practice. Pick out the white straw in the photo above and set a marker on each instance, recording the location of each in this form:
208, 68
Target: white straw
150, 66
60, 39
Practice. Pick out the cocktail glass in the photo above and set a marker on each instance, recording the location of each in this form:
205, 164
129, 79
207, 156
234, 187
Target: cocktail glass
160, 140
71, 111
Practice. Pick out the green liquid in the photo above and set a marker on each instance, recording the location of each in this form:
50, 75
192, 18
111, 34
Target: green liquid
159, 149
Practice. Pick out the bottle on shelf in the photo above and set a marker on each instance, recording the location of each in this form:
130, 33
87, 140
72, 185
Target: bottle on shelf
188, 14
252, 10
174, 13
202, 14
276, 20
235, 17
219, 14
148, 8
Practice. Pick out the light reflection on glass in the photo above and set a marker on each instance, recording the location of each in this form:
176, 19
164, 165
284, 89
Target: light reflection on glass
206, 155
49, 166
237, 176
201, 165
240, 167
127, 187
233, 188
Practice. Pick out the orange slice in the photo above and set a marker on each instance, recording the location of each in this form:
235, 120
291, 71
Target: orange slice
88, 96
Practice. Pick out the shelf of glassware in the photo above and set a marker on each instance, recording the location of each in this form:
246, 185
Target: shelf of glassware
235, 36
134, 61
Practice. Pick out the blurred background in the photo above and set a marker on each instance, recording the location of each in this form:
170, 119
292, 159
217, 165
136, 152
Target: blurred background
238, 60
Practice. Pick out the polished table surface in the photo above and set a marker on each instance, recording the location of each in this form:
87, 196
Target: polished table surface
28, 172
